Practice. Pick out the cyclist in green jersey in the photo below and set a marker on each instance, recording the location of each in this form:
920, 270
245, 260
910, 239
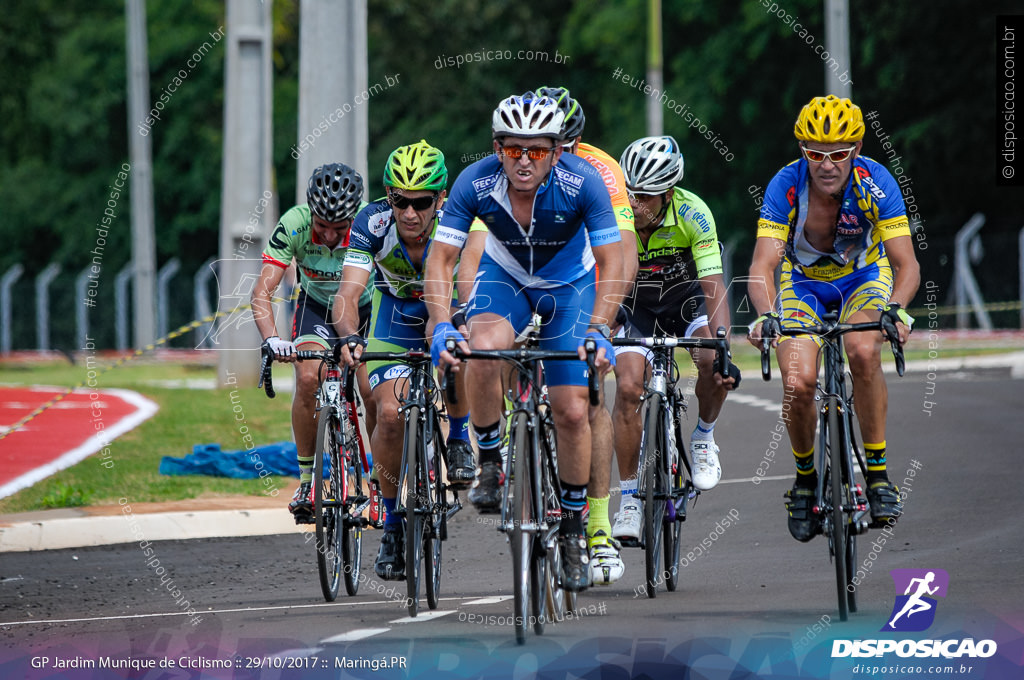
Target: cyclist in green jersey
679, 291
315, 236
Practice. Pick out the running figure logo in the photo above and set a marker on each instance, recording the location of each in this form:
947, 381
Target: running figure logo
916, 589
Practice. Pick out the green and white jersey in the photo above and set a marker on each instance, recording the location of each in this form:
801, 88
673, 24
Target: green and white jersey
678, 253
319, 266
375, 245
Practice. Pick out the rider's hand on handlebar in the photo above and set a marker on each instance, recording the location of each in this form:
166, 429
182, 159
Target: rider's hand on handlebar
765, 327
730, 380
604, 358
896, 323
350, 348
442, 332
284, 350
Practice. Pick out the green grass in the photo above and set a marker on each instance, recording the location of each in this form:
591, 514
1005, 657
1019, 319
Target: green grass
186, 417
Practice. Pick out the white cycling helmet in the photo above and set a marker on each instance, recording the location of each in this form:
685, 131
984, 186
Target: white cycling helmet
528, 116
652, 165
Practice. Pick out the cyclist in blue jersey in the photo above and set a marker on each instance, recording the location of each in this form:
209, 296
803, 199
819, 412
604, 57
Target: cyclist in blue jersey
315, 235
550, 220
393, 236
837, 223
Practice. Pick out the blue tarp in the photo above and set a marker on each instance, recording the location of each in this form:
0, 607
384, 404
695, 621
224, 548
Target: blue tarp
208, 459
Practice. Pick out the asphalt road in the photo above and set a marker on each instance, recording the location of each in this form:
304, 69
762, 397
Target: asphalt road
754, 604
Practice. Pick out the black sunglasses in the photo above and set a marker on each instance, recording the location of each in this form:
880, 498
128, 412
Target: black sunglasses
403, 202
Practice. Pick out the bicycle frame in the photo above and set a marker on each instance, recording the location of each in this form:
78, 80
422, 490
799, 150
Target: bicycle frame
840, 503
660, 483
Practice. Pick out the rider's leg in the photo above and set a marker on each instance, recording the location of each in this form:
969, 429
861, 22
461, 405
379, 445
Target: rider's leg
798, 361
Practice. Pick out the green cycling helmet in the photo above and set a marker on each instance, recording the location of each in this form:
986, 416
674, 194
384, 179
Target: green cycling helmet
416, 167
572, 127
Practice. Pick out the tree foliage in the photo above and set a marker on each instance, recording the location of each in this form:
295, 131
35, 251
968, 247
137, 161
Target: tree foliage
927, 69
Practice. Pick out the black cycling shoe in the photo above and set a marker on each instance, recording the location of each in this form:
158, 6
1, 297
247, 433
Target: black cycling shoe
301, 506
461, 467
575, 574
486, 491
803, 524
390, 564
886, 506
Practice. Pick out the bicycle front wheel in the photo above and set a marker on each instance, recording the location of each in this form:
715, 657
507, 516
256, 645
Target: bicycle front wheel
351, 526
522, 518
327, 488
838, 532
653, 484
432, 526
416, 488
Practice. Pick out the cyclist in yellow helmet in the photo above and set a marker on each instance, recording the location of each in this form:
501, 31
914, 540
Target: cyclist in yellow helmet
837, 223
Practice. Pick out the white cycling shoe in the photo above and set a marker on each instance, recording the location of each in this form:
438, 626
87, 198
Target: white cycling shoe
628, 522
706, 470
606, 567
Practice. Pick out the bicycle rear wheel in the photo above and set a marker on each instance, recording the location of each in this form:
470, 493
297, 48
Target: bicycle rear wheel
838, 529
522, 515
352, 526
327, 489
416, 484
653, 485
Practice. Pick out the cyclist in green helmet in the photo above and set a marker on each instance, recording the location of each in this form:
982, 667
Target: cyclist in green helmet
392, 236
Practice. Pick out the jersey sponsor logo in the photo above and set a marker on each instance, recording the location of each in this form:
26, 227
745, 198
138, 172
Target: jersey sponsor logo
379, 223
701, 221
277, 239
396, 372
559, 218
485, 184
875, 190
626, 213
849, 225
353, 257
570, 178
791, 196
322, 331
606, 173
704, 245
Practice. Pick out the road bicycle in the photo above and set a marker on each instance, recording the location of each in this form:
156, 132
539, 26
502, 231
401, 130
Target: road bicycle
423, 492
840, 504
664, 485
531, 507
339, 498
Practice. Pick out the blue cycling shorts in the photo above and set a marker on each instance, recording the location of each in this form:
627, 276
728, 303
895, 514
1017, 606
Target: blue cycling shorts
565, 313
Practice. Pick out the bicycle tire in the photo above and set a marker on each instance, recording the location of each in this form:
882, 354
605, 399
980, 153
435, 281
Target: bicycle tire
838, 529
521, 541
850, 552
414, 517
432, 537
654, 508
559, 600
671, 526
352, 528
326, 489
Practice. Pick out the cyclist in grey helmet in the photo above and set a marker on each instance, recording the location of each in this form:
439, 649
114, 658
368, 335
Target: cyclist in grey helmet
315, 236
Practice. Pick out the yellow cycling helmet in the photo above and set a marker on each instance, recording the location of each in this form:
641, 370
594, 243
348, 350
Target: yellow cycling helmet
829, 120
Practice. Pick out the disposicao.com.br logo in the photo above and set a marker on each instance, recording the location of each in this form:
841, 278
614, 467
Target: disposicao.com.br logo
914, 611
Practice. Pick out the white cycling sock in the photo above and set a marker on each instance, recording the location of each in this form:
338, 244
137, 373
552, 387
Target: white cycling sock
704, 432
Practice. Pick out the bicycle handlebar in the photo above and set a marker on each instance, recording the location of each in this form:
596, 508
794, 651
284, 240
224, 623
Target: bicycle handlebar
829, 331
719, 343
524, 355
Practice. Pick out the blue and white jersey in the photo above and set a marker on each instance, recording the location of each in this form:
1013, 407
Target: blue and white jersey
571, 212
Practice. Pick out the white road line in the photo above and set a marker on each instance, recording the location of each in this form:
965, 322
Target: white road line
749, 480
489, 600
354, 635
209, 611
756, 402
425, 616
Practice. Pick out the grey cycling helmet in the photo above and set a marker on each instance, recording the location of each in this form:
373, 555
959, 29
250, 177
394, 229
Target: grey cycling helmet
652, 165
528, 116
572, 126
334, 192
